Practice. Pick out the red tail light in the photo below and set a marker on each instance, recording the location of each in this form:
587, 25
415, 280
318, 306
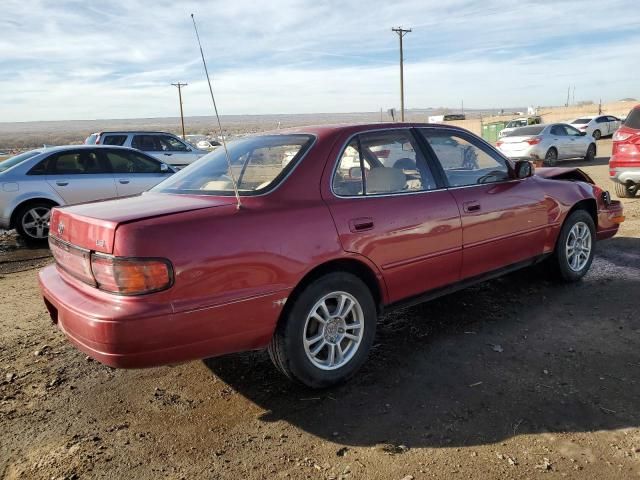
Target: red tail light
533, 141
73, 260
498, 143
98, 140
621, 136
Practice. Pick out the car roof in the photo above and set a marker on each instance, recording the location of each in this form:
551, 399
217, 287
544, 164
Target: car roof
153, 132
60, 148
356, 127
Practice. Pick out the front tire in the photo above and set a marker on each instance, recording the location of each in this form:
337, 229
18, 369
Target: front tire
32, 222
575, 247
625, 190
325, 336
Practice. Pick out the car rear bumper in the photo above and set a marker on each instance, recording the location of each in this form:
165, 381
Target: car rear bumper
138, 334
625, 174
609, 219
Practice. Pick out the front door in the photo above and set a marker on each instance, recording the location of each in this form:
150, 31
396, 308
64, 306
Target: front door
134, 172
80, 176
399, 217
504, 219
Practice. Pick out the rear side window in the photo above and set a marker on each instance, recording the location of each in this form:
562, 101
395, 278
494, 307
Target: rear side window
117, 140
633, 119
601, 120
146, 143
131, 162
558, 130
75, 163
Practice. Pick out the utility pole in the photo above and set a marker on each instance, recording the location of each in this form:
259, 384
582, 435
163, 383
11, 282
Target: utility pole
180, 85
568, 91
401, 33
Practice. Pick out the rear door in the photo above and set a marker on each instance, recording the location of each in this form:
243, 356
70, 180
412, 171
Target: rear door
399, 217
504, 219
133, 172
80, 176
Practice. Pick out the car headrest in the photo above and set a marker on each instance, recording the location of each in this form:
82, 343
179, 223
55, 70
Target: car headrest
386, 180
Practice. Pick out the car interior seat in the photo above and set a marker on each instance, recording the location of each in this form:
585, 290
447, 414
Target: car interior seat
386, 180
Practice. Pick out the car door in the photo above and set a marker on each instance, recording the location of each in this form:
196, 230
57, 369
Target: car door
561, 141
179, 152
80, 176
134, 172
399, 217
614, 124
578, 143
150, 144
504, 219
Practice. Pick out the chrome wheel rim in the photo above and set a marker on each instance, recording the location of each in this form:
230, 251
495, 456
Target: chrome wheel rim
551, 156
578, 247
333, 331
35, 222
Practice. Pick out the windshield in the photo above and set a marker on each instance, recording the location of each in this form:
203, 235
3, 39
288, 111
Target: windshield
526, 131
581, 120
517, 123
13, 161
258, 164
633, 119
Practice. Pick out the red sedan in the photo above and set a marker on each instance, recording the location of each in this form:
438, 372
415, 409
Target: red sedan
337, 224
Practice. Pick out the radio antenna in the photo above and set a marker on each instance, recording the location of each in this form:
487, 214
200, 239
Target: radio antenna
215, 108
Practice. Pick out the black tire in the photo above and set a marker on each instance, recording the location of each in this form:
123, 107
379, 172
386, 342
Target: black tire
559, 261
287, 350
597, 134
625, 190
591, 153
551, 157
24, 216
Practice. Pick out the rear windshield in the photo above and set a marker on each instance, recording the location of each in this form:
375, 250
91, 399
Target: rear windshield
533, 130
633, 119
582, 120
13, 161
258, 164
516, 123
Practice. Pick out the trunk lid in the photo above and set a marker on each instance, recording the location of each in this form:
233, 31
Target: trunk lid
93, 225
515, 143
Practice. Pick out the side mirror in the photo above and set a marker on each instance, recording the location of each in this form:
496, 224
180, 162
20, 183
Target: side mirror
164, 168
355, 173
524, 169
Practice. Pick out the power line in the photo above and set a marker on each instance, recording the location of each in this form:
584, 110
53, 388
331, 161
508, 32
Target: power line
180, 85
401, 33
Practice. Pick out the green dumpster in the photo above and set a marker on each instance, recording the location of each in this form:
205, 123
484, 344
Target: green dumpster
491, 130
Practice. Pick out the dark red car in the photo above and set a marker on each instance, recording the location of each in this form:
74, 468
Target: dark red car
624, 164
337, 225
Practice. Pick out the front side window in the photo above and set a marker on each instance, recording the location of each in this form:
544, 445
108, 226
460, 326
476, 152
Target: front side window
572, 132
78, 162
171, 144
382, 162
466, 161
601, 120
258, 164
131, 162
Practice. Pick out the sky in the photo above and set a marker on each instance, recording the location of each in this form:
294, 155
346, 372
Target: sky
73, 60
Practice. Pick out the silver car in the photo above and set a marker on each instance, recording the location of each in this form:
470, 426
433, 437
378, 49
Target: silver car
164, 146
33, 182
550, 143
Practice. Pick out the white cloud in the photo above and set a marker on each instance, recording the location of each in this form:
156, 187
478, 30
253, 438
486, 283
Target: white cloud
74, 59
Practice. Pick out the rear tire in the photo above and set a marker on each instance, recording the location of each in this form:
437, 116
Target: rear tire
575, 247
32, 222
551, 157
625, 190
597, 134
591, 153
322, 320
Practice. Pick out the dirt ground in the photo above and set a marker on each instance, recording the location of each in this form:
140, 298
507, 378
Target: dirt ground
516, 378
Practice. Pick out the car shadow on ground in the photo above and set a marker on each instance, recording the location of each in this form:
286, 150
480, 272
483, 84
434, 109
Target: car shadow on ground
517, 355
581, 162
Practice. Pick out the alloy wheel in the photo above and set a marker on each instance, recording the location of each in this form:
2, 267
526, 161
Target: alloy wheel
578, 246
35, 222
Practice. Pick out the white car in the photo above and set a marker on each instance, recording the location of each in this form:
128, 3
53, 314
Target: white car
164, 146
520, 122
207, 144
597, 126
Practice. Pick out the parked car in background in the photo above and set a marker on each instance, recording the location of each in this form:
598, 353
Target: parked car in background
597, 126
36, 181
520, 122
314, 252
161, 145
624, 164
207, 144
550, 143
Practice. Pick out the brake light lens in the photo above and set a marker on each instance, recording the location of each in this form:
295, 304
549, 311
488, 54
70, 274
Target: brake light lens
583, 127
498, 143
98, 140
619, 136
131, 276
533, 141
73, 260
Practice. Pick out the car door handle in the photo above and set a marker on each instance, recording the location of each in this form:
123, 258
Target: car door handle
123, 181
61, 183
168, 154
361, 224
471, 206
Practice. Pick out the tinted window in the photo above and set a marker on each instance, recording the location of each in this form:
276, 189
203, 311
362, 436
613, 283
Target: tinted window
131, 162
78, 162
257, 163
146, 143
558, 130
114, 140
41, 168
633, 119
13, 161
613, 119
171, 144
525, 131
465, 160
581, 121
601, 120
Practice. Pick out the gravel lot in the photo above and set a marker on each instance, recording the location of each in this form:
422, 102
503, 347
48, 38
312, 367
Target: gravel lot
517, 378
